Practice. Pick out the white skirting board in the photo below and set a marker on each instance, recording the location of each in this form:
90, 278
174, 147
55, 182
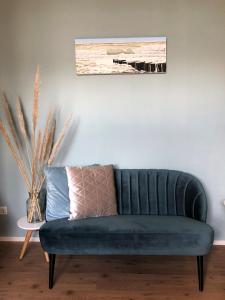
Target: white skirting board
36, 239
219, 243
17, 239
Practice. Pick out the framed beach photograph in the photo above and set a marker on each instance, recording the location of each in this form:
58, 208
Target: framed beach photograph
144, 55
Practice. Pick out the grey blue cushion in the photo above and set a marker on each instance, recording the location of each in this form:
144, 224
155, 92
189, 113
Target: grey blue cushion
57, 193
146, 235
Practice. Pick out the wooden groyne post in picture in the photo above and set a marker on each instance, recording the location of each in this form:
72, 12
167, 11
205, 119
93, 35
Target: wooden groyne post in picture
147, 67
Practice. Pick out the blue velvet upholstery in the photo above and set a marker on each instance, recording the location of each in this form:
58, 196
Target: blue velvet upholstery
160, 212
128, 234
160, 192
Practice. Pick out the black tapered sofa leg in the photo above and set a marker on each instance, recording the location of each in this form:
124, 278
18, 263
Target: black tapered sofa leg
51, 269
200, 272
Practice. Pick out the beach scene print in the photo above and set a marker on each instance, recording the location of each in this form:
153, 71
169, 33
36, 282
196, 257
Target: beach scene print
120, 55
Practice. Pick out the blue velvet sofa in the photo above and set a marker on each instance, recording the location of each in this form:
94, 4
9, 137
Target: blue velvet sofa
160, 212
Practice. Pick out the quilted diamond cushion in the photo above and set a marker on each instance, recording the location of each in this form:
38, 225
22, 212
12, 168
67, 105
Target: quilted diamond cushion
91, 191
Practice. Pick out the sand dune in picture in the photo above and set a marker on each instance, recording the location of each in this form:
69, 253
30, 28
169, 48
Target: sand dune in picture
99, 58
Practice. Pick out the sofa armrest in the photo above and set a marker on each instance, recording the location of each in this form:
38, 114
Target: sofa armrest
196, 202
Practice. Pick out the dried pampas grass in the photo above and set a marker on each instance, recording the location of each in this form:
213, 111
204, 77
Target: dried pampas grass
9, 119
31, 154
21, 120
36, 100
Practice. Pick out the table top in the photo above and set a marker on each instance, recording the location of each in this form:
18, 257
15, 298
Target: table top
23, 224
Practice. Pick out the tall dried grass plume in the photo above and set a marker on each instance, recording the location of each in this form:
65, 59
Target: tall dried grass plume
32, 152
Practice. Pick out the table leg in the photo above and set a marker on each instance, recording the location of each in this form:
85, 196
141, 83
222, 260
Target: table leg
25, 243
46, 256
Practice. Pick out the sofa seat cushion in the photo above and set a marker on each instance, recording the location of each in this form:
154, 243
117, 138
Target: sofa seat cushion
128, 235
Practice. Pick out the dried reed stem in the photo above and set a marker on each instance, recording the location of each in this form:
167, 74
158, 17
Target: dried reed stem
58, 143
49, 144
21, 119
36, 98
18, 160
36, 162
9, 119
46, 135
40, 147
23, 129
34, 123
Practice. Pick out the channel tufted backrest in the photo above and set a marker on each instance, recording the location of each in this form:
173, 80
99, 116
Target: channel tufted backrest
160, 192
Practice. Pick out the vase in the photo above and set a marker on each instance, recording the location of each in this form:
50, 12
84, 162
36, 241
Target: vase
35, 207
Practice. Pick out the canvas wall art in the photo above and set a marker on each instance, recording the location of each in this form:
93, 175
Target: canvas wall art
120, 55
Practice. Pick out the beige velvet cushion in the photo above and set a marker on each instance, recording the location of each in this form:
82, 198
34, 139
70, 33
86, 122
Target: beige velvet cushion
91, 191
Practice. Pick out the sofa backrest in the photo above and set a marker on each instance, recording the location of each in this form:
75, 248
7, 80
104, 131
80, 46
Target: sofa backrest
159, 192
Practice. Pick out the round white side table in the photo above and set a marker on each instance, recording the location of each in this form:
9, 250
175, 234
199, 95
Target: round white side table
29, 227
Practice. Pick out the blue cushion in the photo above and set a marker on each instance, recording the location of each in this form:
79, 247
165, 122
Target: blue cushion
57, 205
128, 234
58, 201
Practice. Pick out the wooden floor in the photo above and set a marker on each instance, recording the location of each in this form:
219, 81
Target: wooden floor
106, 278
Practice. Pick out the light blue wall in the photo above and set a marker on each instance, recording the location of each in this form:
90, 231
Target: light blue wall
174, 121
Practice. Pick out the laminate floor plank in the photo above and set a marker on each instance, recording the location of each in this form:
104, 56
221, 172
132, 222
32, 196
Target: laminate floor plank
108, 277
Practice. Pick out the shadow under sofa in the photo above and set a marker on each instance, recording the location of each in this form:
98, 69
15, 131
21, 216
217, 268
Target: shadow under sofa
160, 212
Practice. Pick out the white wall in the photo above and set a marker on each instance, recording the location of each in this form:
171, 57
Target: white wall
174, 121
